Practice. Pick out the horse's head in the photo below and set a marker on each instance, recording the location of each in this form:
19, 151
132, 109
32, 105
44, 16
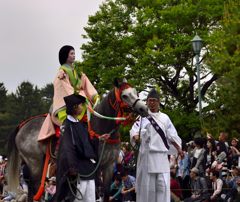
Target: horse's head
128, 97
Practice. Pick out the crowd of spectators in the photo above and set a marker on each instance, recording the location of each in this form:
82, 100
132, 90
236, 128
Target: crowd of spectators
21, 194
209, 171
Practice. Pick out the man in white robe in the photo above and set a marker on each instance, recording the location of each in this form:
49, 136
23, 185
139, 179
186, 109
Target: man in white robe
153, 169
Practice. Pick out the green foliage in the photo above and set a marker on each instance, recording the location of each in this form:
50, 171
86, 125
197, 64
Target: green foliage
148, 42
28, 101
187, 124
225, 61
3, 97
46, 94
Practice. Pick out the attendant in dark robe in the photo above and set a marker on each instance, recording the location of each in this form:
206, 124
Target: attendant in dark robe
76, 157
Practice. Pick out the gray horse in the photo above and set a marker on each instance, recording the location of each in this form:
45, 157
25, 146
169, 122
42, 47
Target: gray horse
24, 147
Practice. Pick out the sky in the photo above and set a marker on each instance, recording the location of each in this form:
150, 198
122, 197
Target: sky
33, 31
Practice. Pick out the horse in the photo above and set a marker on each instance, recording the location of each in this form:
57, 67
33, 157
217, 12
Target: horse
24, 147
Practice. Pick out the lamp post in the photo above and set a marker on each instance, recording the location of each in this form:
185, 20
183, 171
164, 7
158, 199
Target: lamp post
197, 45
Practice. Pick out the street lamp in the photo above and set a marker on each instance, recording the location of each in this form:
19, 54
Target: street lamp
197, 45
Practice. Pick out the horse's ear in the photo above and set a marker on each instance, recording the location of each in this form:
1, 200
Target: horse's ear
116, 82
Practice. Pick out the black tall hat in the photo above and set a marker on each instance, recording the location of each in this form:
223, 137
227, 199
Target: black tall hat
63, 53
73, 100
153, 94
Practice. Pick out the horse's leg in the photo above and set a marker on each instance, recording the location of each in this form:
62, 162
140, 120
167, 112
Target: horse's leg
99, 184
107, 179
28, 179
30, 189
34, 176
31, 152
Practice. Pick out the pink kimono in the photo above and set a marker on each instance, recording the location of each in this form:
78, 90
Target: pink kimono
62, 88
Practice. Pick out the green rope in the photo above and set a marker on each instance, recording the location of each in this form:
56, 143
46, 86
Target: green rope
70, 184
102, 116
98, 164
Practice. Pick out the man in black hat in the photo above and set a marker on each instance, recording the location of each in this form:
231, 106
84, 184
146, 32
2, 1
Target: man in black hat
159, 139
76, 157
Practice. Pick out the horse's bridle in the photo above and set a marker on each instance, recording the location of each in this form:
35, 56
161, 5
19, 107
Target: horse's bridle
119, 105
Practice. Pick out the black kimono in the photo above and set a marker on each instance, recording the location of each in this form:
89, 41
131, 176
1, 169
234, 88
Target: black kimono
75, 152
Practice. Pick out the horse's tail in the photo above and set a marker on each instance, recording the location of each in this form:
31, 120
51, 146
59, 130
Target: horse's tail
13, 166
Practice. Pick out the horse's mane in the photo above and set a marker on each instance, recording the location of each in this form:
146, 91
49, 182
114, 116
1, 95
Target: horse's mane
102, 126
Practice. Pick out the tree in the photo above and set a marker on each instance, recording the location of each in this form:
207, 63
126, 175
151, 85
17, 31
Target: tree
148, 42
47, 97
3, 114
28, 101
25, 103
3, 97
225, 61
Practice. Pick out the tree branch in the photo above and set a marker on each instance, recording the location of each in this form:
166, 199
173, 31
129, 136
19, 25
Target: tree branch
208, 84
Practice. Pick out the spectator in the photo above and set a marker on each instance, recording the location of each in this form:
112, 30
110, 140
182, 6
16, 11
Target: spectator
50, 188
233, 153
173, 160
232, 182
210, 154
1, 175
217, 185
116, 189
222, 145
183, 167
128, 160
119, 164
198, 187
222, 152
22, 193
128, 190
198, 154
128, 154
238, 191
176, 191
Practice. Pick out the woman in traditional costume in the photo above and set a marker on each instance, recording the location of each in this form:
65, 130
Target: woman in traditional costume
68, 80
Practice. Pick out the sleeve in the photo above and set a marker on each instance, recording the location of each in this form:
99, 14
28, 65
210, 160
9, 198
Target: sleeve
64, 81
133, 180
200, 158
84, 146
134, 131
204, 186
140, 123
88, 88
62, 88
219, 188
172, 136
